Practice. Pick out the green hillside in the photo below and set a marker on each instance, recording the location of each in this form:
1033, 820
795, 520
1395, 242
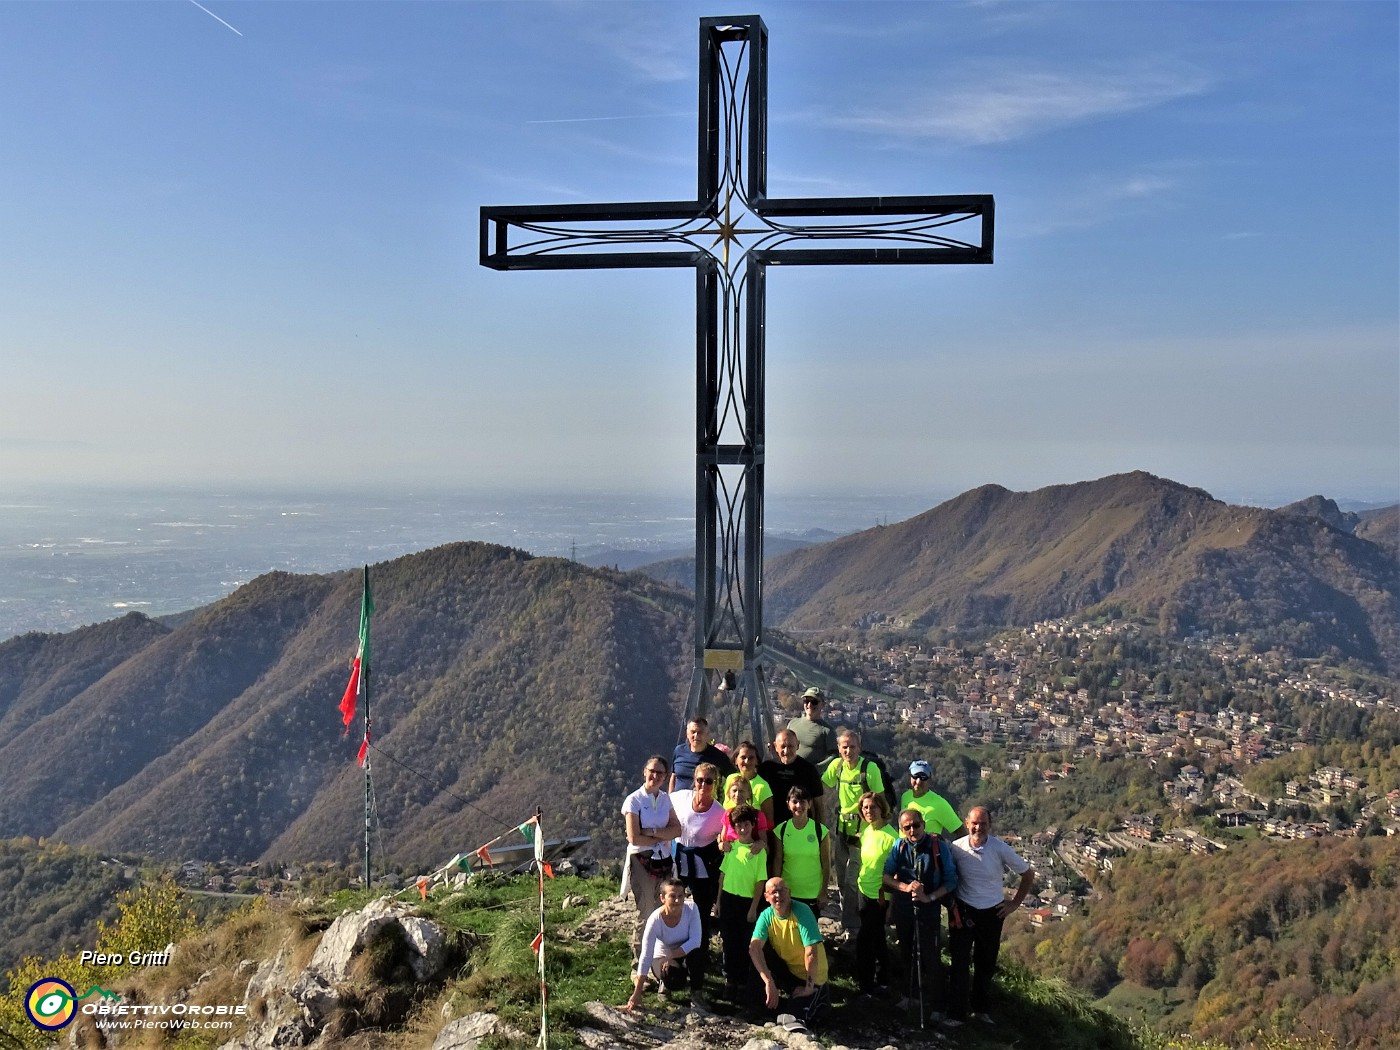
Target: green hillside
501, 682
52, 896
1294, 937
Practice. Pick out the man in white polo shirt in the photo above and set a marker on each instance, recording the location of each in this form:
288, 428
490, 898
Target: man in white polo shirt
974, 935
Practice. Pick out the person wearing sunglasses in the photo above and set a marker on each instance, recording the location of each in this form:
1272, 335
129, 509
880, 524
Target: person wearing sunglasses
652, 825
939, 815
698, 856
919, 875
816, 738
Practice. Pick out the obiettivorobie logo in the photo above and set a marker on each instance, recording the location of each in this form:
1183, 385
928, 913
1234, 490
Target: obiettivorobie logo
51, 1003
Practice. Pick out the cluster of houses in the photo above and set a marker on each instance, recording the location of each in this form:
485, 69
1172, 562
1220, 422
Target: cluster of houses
1009, 694
266, 880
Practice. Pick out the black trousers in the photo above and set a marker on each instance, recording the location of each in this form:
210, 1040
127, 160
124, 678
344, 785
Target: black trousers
703, 892
973, 948
872, 949
804, 1008
916, 925
735, 932
690, 968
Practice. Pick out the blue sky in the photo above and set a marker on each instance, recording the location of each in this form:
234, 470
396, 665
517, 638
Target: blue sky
245, 252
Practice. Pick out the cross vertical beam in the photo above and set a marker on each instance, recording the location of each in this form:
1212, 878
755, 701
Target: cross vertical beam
731, 233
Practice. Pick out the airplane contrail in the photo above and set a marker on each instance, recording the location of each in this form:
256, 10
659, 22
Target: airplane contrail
212, 15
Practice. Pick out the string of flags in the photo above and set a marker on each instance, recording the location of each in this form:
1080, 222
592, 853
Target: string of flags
532, 831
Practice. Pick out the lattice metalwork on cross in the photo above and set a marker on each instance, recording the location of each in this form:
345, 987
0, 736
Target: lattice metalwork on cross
730, 235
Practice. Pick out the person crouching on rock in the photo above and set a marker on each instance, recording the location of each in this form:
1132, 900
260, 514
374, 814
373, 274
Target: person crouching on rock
788, 954
673, 950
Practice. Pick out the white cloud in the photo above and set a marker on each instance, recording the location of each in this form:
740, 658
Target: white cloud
1099, 200
1016, 104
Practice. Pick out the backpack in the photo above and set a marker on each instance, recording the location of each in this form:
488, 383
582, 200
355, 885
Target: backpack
891, 799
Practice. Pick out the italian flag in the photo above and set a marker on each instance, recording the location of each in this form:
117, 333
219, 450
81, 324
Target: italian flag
359, 671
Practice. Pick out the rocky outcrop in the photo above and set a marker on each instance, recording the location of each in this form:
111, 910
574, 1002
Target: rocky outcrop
291, 1008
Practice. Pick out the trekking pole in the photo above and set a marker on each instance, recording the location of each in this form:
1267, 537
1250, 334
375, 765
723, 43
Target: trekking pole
918, 960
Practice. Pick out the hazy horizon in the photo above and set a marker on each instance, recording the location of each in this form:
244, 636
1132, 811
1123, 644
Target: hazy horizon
245, 247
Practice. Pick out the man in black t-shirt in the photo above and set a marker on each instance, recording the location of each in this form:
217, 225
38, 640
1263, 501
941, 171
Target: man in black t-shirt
789, 771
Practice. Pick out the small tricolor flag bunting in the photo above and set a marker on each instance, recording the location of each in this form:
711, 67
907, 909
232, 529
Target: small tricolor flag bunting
485, 855
537, 943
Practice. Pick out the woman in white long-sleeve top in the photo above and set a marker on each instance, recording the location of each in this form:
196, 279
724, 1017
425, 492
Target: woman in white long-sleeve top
672, 949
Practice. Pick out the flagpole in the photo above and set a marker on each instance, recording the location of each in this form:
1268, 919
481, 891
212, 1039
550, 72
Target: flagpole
364, 678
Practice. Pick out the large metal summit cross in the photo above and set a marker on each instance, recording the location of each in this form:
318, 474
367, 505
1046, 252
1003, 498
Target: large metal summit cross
730, 234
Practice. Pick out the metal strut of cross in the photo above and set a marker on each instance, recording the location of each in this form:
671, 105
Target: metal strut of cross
730, 234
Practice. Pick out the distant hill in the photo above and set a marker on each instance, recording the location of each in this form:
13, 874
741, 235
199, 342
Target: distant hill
1158, 548
680, 570
501, 681
504, 681
1381, 527
1325, 510
678, 566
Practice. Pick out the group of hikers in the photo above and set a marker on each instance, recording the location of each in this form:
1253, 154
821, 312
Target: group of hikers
753, 847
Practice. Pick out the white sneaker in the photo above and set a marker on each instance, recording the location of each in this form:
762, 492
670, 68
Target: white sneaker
984, 1018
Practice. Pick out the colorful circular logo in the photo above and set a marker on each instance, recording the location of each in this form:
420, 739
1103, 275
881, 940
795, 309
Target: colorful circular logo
51, 1003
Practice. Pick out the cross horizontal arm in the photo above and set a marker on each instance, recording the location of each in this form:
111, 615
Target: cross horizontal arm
498, 252
965, 204
867, 256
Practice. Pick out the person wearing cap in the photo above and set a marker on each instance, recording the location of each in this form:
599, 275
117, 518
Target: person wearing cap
816, 740
940, 816
920, 877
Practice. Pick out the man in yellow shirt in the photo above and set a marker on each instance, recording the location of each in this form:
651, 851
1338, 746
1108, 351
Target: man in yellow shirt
852, 776
939, 816
788, 953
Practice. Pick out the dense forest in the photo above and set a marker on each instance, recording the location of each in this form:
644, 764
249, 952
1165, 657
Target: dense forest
1294, 937
52, 896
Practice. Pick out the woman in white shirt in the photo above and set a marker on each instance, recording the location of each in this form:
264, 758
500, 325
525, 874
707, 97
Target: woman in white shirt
672, 948
651, 826
697, 847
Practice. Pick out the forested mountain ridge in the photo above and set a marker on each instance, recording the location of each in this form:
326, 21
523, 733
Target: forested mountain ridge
1309, 948
39, 673
503, 679
992, 557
